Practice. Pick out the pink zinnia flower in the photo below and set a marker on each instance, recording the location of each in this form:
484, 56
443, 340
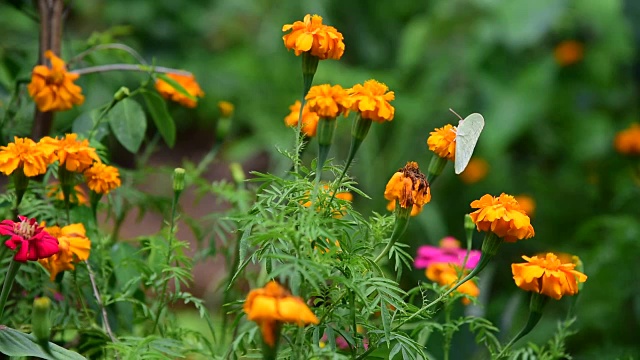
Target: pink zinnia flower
32, 241
448, 252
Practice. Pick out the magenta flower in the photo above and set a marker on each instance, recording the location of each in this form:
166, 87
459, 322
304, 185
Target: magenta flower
29, 238
448, 252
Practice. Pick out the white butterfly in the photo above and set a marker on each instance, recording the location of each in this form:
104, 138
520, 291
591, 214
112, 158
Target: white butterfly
467, 136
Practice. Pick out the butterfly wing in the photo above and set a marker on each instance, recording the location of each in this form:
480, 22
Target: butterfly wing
467, 136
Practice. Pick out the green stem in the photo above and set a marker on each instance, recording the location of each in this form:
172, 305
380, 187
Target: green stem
448, 331
8, 283
309, 67
128, 67
352, 300
532, 321
402, 222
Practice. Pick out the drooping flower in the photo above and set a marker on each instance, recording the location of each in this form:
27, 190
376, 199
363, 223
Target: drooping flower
328, 101
188, 83
272, 305
225, 108
502, 216
447, 274
442, 141
74, 246
25, 154
309, 119
449, 252
31, 240
548, 276
568, 52
77, 195
409, 186
102, 178
52, 88
76, 155
476, 170
310, 35
627, 142
371, 100
527, 203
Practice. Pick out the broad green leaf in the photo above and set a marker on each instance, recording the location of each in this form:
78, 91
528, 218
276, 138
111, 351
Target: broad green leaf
16, 343
176, 85
128, 124
160, 115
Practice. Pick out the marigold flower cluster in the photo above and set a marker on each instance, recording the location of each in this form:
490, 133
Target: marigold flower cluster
442, 141
408, 186
310, 35
371, 100
309, 119
502, 216
446, 274
25, 154
328, 101
188, 83
627, 142
32, 240
74, 247
547, 275
52, 87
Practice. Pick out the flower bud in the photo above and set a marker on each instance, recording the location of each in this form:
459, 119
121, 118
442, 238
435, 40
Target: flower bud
178, 179
237, 173
41, 320
121, 94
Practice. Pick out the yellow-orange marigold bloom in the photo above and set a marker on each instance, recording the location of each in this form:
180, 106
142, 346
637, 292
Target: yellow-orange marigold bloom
102, 178
52, 88
527, 203
310, 35
447, 274
225, 108
502, 216
372, 101
328, 101
74, 246
548, 276
415, 210
309, 119
568, 52
25, 154
273, 304
76, 155
188, 82
476, 170
409, 186
442, 141
627, 141
77, 195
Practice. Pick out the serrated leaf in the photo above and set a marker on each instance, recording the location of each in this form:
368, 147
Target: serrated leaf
128, 124
16, 343
161, 117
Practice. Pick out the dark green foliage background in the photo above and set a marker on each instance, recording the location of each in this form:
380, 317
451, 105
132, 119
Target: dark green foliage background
549, 129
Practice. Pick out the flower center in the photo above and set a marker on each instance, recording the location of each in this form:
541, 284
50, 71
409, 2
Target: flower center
25, 229
55, 78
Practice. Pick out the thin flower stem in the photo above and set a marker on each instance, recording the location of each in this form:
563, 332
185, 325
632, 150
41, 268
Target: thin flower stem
402, 222
352, 300
128, 67
103, 310
115, 46
533, 319
8, 283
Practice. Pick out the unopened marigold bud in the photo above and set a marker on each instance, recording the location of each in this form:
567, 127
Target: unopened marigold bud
468, 223
178, 179
121, 94
237, 173
41, 320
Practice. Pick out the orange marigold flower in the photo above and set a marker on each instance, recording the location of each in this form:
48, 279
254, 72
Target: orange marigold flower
309, 119
188, 82
345, 195
476, 170
415, 210
321, 41
272, 305
74, 246
502, 216
447, 274
52, 88
77, 195
328, 101
527, 203
548, 276
76, 155
627, 141
442, 141
25, 154
225, 108
568, 52
409, 186
372, 101
102, 178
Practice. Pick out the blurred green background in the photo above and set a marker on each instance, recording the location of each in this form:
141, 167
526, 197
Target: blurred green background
550, 119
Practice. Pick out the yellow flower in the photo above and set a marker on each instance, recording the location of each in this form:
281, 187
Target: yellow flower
527, 203
52, 88
548, 276
627, 141
476, 170
272, 305
25, 154
328, 101
568, 52
447, 274
76, 155
502, 216
225, 108
77, 196
74, 246
309, 119
102, 178
310, 35
372, 101
188, 82
442, 141
409, 186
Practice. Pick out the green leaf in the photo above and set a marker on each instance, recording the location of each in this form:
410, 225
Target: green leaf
128, 124
160, 115
176, 85
16, 343
84, 123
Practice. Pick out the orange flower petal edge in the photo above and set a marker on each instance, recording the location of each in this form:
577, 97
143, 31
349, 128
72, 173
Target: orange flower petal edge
310, 35
547, 275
